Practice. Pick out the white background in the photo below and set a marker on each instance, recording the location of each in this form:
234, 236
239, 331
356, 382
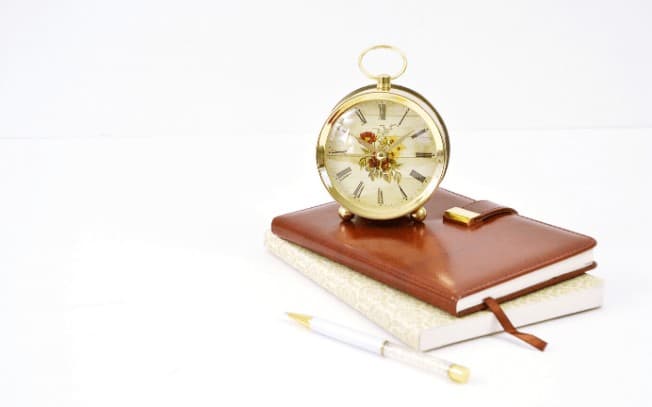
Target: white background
145, 148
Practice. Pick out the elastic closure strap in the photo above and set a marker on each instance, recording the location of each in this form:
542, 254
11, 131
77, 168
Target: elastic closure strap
476, 213
532, 340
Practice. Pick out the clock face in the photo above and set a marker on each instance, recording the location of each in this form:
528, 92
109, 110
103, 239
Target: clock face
381, 157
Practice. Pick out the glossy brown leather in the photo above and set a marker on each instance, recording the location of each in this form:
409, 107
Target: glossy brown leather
438, 262
486, 210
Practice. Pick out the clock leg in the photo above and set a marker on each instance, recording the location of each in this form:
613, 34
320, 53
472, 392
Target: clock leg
419, 215
344, 213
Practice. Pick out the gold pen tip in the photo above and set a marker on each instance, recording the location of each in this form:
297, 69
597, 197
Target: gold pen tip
300, 318
459, 374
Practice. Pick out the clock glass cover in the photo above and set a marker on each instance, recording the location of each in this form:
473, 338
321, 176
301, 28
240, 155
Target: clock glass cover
381, 155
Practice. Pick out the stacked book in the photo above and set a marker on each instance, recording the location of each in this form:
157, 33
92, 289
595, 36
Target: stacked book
426, 283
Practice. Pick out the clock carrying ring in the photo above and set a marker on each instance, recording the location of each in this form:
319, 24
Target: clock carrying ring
382, 46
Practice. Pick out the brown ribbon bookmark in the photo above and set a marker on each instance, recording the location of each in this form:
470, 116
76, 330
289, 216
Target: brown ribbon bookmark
494, 307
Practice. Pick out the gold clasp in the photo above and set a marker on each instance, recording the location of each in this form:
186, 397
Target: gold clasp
383, 80
460, 215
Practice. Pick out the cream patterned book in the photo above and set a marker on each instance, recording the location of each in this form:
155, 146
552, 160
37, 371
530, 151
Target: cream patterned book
420, 325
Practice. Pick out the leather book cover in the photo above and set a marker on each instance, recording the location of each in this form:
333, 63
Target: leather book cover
438, 261
422, 326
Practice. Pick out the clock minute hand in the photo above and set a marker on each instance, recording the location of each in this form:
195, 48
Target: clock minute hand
399, 140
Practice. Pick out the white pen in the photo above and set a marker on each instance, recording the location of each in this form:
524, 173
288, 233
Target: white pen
383, 347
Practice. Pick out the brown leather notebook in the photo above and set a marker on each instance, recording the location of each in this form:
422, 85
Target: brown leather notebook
453, 266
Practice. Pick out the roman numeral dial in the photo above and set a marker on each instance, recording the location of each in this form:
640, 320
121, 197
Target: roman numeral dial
358, 190
361, 116
403, 116
343, 174
419, 133
420, 154
403, 194
418, 176
381, 156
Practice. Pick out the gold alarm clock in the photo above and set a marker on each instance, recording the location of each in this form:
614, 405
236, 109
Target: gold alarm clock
383, 150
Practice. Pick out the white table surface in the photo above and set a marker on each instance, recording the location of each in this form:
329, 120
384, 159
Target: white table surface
133, 273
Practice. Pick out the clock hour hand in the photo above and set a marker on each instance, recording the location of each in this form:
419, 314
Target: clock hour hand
363, 143
344, 154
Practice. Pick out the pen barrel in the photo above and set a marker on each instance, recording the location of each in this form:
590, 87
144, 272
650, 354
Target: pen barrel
382, 347
416, 359
347, 335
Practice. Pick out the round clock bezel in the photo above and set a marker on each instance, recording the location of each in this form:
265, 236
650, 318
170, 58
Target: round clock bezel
416, 103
